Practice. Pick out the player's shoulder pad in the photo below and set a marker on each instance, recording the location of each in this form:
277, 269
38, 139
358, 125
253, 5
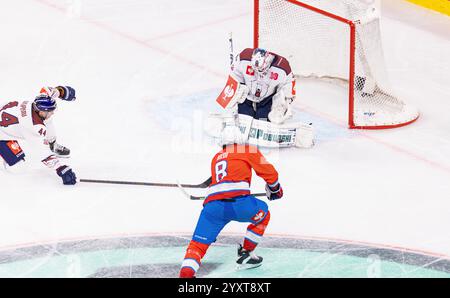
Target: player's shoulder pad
282, 63
246, 54
249, 149
39, 126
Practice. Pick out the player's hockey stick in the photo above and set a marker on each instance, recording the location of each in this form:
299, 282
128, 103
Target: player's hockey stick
201, 185
230, 40
259, 194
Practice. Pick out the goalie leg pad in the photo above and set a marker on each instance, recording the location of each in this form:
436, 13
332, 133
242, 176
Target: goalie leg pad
192, 259
247, 108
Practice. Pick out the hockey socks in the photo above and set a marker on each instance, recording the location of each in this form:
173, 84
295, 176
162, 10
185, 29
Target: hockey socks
255, 233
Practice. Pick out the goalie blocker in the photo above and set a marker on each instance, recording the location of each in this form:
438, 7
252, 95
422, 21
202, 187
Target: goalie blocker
257, 132
232, 94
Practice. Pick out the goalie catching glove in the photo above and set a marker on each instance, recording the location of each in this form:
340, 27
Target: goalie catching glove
274, 191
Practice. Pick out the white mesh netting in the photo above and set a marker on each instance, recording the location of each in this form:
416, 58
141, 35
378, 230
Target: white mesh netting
318, 45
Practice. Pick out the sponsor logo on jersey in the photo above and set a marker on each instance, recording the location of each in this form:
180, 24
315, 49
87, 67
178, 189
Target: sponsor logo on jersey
274, 76
23, 109
250, 70
229, 91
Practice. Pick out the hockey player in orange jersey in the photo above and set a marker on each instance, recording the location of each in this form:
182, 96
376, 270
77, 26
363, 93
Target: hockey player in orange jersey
229, 199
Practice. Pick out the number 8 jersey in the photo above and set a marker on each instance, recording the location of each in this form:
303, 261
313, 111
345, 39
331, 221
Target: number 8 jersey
231, 171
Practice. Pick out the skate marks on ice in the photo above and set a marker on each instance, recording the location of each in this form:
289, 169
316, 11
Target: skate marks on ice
161, 256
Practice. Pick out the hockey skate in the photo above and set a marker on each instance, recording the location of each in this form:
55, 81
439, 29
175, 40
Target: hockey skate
247, 259
59, 150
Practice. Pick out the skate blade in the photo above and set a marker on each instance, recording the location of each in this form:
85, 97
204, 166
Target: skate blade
247, 266
61, 156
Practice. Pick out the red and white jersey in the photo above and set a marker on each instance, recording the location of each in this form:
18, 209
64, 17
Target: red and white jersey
278, 76
231, 172
19, 121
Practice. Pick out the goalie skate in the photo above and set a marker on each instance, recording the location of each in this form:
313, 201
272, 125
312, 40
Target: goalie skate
59, 150
247, 259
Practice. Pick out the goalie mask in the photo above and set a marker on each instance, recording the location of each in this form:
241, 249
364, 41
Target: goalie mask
261, 60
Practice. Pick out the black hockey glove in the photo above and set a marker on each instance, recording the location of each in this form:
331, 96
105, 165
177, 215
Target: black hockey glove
67, 175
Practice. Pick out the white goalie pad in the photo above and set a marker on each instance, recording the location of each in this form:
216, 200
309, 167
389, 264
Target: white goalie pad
263, 133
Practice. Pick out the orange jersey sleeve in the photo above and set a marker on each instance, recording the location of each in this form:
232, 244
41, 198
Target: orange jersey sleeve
262, 167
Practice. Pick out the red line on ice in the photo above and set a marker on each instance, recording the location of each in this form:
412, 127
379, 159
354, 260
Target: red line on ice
143, 43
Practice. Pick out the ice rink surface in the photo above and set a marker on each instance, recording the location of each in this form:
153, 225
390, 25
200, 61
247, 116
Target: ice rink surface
147, 74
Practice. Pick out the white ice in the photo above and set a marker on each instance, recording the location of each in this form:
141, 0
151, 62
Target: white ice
147, 71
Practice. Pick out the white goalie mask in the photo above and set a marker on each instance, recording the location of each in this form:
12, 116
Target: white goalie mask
261, 60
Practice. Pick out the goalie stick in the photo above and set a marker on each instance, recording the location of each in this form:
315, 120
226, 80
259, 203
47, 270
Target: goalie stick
259, 194
204, 184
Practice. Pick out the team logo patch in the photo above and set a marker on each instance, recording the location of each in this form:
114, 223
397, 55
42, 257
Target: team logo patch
260, 215
274, 76
250, 71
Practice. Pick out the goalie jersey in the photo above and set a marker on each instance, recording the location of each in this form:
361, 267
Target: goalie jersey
231, 172
262, 85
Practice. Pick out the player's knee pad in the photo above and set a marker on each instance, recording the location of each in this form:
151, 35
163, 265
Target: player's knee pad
305, 136
246, 108
261, 226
